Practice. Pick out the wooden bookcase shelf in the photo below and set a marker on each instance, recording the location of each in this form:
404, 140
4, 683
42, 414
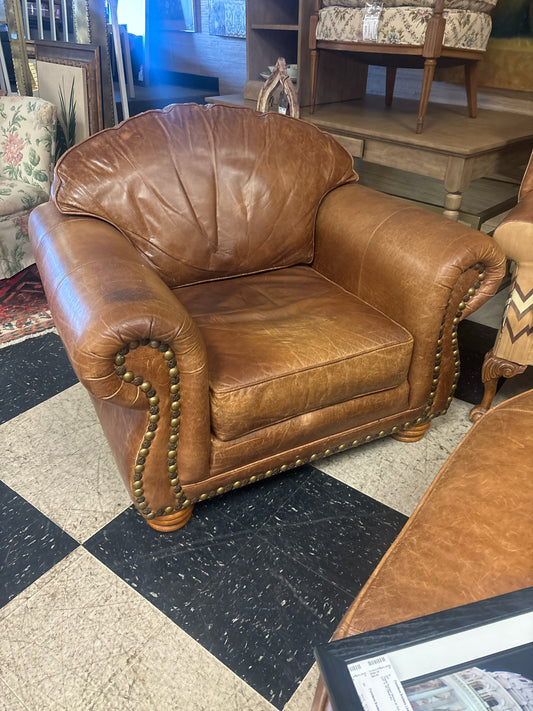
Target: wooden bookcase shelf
280, 28
277, 28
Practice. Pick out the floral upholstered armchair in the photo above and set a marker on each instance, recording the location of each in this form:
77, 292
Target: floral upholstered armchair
27, 147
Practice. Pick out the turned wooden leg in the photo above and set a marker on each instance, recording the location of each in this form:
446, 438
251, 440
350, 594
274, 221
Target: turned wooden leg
389, 85
414, 433
313, 24
173, 521
493, 369
471, 87
429, 72
452, 203
314, 79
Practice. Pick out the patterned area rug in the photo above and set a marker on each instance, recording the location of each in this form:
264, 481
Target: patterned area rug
23, 309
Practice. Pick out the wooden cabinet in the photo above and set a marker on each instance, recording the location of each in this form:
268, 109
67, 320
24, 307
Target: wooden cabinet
280, 28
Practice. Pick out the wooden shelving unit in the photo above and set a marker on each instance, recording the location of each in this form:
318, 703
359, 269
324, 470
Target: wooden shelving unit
280, 28
277, 28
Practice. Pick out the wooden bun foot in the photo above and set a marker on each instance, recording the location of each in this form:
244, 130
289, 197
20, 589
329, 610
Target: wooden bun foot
413, 434
171, 522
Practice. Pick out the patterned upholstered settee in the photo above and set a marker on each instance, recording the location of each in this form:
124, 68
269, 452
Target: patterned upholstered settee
27, 147
408, 33
404, 22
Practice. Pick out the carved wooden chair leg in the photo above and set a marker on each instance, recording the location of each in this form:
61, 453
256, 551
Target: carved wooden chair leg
314, 79
313, 23
389, 85
429, 72
471, 87
493, 369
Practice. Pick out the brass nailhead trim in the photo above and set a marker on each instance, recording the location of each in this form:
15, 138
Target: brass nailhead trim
154, 417
455, 350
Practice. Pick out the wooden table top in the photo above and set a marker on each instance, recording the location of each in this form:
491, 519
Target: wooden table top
447, 130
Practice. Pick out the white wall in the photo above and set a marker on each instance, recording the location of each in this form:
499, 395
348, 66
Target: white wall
131, 13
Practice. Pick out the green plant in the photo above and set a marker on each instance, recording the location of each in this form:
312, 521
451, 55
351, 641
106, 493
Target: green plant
66, 126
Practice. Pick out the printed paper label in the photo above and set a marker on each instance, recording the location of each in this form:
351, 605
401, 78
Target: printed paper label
377, 685
370, 28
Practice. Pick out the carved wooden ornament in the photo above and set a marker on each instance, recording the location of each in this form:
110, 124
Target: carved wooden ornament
279, 78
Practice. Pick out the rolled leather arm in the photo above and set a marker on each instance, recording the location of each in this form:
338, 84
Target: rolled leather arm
420, 269
104, 295
123, 328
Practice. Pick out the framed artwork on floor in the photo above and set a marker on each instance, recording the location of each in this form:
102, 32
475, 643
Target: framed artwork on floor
63, 84
58, 64
479, 656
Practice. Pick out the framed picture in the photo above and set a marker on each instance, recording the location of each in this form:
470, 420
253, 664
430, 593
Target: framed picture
67, 85
175, 15
227, 18
58, 64
467, 658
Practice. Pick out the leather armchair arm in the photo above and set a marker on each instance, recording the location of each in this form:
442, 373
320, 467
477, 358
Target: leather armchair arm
415, 266
105, 296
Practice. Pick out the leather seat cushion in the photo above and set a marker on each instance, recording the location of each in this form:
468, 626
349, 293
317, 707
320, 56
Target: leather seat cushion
288, 342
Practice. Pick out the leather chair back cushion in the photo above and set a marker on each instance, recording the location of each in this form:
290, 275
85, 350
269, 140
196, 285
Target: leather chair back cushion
206, 192
289, 342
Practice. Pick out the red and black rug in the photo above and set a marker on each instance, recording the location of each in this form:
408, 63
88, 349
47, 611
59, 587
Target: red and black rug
23, 309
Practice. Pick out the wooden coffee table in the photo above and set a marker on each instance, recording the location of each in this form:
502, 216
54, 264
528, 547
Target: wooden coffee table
453, 147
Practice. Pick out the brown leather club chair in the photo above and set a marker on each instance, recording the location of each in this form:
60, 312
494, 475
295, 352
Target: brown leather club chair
236, 305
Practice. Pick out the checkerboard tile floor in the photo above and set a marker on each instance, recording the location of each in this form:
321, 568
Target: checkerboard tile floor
98, 611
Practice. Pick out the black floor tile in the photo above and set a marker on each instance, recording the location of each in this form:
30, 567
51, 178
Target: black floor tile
260, 575
33, 371
265, 617
333, 530
30, 544
475, 340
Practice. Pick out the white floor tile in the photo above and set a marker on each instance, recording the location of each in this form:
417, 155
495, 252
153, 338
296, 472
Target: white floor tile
57, 458
81, 638
303, 697
8, 700
490, 314
398, 473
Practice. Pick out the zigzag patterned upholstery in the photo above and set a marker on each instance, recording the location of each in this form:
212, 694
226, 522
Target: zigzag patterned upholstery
515, 235
513, 348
